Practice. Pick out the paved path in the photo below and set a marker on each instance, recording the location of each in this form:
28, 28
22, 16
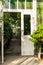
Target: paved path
20, 60
41, 63
14, 47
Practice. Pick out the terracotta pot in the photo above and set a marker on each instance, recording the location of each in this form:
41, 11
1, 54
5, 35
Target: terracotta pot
41, 40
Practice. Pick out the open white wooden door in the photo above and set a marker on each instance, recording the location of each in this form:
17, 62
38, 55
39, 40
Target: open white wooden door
27, 47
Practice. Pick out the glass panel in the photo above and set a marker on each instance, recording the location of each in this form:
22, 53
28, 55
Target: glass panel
13, 4
39, 12
0, 44
28, 4
39, 0
21, 4
27, 24
6, 3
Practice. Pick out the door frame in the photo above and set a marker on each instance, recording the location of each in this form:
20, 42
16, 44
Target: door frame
27, 12
6, 10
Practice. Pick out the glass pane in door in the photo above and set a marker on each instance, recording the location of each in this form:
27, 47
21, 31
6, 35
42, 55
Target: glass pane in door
27, 25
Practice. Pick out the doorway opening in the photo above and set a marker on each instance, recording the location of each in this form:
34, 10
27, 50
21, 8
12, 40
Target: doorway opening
12, 33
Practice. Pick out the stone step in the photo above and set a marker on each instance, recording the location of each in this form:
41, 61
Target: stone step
13, 53
13, 39
16, 41
14, 47
13, 50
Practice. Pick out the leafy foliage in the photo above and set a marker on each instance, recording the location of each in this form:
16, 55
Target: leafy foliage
7, 31
7, 27
35, 37
12, 23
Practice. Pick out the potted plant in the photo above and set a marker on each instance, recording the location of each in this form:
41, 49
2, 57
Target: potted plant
37, 37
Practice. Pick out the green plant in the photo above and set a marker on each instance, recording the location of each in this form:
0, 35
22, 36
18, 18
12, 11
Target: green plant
7, 31
2, 1
37, 35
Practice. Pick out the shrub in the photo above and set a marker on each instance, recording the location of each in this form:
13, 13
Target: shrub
37, 35
7, 31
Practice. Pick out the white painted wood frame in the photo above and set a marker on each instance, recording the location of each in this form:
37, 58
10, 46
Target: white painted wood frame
25, 11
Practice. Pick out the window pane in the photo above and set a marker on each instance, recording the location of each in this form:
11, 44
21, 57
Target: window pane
29, 4
0, 43
13, 4
39, 12
39, 0
6, 3
26, 24
21, 4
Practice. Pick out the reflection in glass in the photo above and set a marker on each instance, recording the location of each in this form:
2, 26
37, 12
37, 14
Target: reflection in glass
40, 12
28, 4
27, 24
21, 4
6, 3
13, 4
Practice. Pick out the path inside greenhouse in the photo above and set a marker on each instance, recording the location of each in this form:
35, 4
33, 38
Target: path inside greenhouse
13, 54
20, 60
14, 47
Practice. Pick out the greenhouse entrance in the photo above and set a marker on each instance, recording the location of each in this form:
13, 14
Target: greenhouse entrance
12, 33
18, 27
17, 30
